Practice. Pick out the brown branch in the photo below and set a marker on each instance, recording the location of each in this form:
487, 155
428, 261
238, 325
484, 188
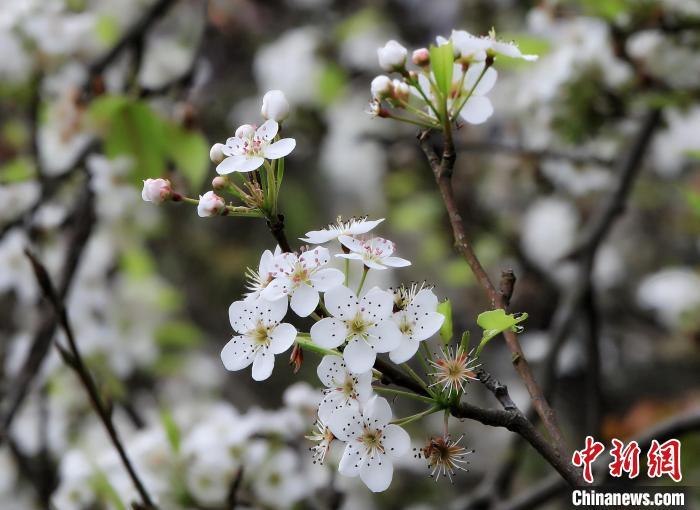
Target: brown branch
442, 169
84, 219
73, 358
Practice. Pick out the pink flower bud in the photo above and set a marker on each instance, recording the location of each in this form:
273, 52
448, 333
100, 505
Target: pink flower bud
245, 131
275, 106
216, 153
210, 204
219, 183
421, 57
392, 57
156, 190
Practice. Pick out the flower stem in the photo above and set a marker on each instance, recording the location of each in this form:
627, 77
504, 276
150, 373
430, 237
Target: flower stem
407, 394
415, 417
347, 271
413, 374
365, 270
306, 343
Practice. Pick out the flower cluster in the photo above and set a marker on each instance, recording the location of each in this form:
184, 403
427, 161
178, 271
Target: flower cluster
449, 81
351, 328
254, 151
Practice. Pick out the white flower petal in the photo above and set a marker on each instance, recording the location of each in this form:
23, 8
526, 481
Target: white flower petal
377, 411
241, 317
477, 110
346, 424
376, 472
406, 350
282, 337
319, 236
304, 300
378, 304
351, 243
331, 371
325, 279
364, 226
269, 312
351, 460
424, 301
237, 353
263, 364
427, 326
239, 164
280, 148
267, 131
359, 356
396, 441
277, 288
341, 302
487, 82
395, 262
317, 257
329, 332
385, 336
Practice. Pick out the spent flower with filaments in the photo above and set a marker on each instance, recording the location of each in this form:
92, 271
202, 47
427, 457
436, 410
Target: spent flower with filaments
354, 330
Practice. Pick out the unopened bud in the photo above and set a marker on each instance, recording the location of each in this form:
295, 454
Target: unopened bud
381, 87
220, 183
156, 191
216, 153
275, 106
210, 204
421, 57
392, 56
245, 131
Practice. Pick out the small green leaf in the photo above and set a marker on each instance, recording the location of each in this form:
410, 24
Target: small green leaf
445, 308
105, 490
172, 431
17, 170
464, 344
190, 153
442, 61
495, 322
331, 83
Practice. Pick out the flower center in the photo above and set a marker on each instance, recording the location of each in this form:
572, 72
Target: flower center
358, 326
372, 440
253, 147
348, 388
300, 274
260, 335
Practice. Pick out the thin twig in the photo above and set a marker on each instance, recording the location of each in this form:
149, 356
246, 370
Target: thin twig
443, 168
73, 358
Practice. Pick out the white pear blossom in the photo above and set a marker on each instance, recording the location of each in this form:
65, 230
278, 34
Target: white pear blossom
475, 84
210, 204
156, 190
260, 279
372, 443
275, 106
375, 253
363, 323
392, 56
343, 389
417, 320
302, 277
354, 227
261, 335
248, 149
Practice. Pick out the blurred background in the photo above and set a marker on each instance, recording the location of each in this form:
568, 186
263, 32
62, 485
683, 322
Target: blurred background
96, 96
